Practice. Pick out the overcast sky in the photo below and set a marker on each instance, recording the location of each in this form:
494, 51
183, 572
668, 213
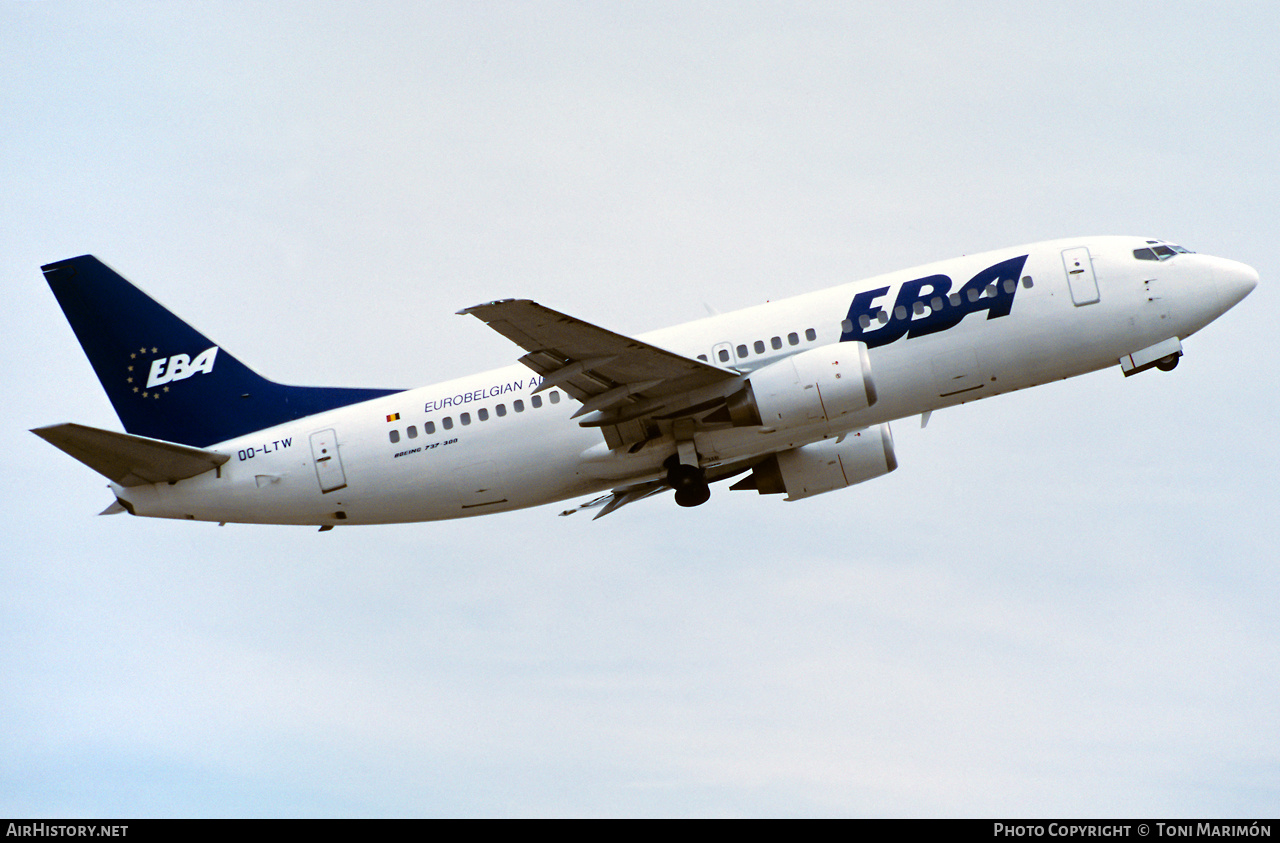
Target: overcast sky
1062, 603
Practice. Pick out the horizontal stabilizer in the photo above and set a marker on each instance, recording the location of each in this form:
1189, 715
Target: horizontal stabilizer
130, 460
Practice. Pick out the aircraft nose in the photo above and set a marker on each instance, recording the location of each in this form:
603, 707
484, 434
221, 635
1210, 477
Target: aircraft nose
1234, 281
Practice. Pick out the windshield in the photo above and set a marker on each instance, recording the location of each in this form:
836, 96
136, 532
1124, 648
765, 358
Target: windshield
1156, 250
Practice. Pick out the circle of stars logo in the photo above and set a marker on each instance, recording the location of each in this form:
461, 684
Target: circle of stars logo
137, 372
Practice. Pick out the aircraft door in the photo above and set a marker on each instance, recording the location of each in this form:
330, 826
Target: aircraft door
324, 450
1080, 277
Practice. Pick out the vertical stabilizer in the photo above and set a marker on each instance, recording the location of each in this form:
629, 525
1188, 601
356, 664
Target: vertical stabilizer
165, 379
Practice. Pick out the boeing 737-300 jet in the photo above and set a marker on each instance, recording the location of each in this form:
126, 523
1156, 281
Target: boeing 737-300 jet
791, 397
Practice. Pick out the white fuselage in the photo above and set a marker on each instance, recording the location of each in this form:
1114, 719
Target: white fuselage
485, 443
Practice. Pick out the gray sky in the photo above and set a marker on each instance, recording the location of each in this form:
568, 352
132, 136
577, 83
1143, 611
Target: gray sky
1062, 603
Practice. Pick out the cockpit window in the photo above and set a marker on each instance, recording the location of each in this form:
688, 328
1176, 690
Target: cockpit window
1157, 251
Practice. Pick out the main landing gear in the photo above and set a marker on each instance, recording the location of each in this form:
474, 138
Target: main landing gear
689, 481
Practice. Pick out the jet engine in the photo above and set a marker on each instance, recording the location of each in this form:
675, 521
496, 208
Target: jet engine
824, 466
820, 385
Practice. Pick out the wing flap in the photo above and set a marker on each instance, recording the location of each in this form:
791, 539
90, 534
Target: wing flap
127, 459
619, 498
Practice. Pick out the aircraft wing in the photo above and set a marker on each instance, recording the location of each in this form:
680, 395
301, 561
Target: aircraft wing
617, 378
130, 460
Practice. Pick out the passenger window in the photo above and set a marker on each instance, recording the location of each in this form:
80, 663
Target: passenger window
724, 355
536, 401
810, 334
518, 405
703, 358
846, 326
759, 346
395, 436
501, 410
900, 313
954, 298
864, 321
776, 342
793, 338
882, 318
448, 422
742, 351
1010, 285
972, 295
429, 427
465, 418
555, 397
991, 290
1027, 282
482, 414
918, 308
412, 431
936, 304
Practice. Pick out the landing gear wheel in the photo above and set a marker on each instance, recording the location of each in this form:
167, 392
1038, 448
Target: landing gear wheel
1168, 364
690, 484
693, 495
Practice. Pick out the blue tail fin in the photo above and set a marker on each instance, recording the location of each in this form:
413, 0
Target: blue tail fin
165, 379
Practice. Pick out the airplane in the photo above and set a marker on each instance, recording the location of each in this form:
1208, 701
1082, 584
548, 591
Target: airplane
794, 397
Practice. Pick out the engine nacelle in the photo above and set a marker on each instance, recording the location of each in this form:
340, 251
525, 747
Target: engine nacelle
820, 385
824, 466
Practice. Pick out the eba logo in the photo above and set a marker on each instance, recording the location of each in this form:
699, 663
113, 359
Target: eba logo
180, 367
927, 305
